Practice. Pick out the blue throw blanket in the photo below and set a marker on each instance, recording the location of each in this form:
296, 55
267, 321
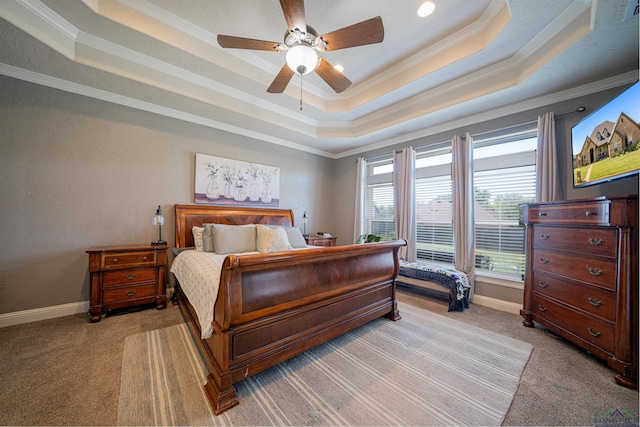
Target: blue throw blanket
456, 281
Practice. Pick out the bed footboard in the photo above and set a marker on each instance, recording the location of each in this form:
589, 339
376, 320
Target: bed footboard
271, 307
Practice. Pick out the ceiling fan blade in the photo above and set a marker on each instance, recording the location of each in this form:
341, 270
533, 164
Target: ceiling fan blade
243, 43
365, 32
282, 80
294, 14
333, 77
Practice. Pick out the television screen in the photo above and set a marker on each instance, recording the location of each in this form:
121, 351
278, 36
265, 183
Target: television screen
605, 144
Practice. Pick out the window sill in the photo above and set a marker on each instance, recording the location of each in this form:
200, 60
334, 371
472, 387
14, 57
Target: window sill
486, 277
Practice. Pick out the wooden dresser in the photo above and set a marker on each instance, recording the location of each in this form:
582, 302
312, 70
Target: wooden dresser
581, 278
123, 276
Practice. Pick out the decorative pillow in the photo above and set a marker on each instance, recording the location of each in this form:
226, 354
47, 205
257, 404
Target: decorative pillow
197, 237
271, 239
296, 240
233, 239
207, 238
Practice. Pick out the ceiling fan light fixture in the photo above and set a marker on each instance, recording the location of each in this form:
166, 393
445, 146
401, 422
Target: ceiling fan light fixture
426, 9
302, 59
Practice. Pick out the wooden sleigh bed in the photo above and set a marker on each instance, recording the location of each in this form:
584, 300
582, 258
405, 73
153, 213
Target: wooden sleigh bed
273, 306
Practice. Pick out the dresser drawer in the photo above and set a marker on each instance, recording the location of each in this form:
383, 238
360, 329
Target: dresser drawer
596, 241
128, 259
601, 272
597, 301
128, 293
598, 333
128, 277
594, 212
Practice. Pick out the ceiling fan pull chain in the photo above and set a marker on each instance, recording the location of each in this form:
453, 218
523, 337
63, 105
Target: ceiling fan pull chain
300, 91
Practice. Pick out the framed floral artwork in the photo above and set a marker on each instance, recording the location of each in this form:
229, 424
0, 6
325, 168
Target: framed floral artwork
223, 181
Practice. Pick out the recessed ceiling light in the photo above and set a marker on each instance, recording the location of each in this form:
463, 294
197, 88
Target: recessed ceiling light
426, 9
339, 68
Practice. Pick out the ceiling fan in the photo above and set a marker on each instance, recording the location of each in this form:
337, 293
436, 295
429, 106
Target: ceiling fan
302, 44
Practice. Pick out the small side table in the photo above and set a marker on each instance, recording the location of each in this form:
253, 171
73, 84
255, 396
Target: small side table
321, 240
123, 276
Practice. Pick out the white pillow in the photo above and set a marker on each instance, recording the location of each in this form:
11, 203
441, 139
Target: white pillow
296, 240
197, 238
271, 239
234, 239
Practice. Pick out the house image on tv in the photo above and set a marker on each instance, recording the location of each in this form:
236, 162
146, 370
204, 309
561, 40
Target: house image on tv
609, 139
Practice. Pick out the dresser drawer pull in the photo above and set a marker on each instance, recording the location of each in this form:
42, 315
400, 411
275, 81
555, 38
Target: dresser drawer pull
542, 308
543, 284
115, 260
589, 213
544, 260
595, 302
542, 214
130, 276
130, 293
595, 242
593, 332
595, 271
544, 236
144, 258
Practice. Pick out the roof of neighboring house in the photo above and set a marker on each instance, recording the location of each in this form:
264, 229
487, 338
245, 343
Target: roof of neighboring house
605, 129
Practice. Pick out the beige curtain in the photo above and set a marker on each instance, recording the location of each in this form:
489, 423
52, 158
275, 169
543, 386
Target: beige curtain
359, 223
404, 190
547, 177
463, 199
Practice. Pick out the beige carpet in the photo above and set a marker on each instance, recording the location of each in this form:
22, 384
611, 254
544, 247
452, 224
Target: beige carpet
425, 369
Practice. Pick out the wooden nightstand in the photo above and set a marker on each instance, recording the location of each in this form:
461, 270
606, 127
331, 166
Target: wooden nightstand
123, 276
321, 241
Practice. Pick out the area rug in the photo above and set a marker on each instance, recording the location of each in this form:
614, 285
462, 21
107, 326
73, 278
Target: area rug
425, 369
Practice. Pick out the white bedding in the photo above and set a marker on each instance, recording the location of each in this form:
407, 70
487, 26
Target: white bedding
199, 276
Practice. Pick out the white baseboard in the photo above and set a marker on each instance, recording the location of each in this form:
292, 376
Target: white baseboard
509, 307
44, 313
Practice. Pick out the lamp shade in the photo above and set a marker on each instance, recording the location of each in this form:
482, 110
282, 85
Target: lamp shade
302, 59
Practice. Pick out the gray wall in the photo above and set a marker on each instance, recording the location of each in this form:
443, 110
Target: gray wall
345, 177
77, 172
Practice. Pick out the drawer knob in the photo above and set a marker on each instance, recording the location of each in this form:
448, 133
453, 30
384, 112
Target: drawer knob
542, 308
130, 276
144, 258
542, 214
595, 302
115, 260
589, 213
595, 271
594, 332
595, 242
543, 284
130, 293
544, 236
544, 260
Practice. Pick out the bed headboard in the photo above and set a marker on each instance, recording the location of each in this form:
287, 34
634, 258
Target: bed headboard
188, 216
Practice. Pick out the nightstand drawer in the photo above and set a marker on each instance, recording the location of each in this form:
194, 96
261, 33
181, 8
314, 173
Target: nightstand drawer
129, 293
128, 277
597, 333
601, 272
597, 301
591, 240
128, 259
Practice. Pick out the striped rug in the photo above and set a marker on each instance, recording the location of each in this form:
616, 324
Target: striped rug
425, 369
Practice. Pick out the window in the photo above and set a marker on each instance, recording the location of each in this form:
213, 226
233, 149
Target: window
504, 179
434, 216
379, 211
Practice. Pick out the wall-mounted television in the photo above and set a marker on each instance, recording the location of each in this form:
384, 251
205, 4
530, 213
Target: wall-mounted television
606, 143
